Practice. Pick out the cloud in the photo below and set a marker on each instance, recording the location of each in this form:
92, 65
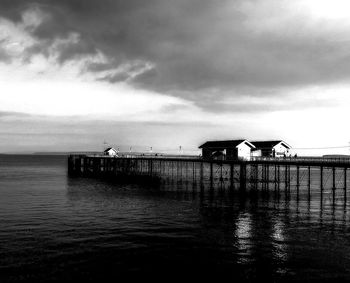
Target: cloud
188, 48
243, 68
41, 76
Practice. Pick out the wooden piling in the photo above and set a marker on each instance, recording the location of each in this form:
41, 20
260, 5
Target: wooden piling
345, 181
321, 182
211, 175
201, 174
309, 182
289, 179
298, 181
191, 170
263, 177
257, 175
286, 177
278, 178
242, 177
275, 178
221, 176
231, 176
267, 177
194, 172
334, 184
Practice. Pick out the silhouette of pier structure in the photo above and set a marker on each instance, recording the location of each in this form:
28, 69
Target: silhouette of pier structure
300, 177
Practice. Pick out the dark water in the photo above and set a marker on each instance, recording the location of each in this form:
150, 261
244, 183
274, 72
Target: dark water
55, 228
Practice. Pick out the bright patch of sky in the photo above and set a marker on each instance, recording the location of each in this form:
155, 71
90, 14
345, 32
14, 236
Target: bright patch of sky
293, 86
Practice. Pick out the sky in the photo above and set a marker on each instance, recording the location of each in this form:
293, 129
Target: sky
75, 74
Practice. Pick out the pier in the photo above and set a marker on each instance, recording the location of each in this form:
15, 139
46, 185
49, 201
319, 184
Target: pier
302, 177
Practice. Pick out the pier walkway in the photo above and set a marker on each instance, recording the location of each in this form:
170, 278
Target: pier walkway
300, 176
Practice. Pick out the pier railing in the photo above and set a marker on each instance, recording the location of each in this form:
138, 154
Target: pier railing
324, 176
308, 160
304, 159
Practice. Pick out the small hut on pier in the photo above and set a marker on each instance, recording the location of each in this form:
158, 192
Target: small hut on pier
277, 148
227, 150
110, 151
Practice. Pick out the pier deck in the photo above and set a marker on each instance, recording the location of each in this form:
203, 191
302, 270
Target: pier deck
300, 176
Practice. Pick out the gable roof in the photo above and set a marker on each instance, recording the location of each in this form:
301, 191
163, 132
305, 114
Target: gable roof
225, 144
108, 149
269, 144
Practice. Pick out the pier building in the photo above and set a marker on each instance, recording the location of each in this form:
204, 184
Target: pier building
227, 150
110, 151
275, 148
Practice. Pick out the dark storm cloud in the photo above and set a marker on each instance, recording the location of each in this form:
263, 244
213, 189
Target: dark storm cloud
193, 46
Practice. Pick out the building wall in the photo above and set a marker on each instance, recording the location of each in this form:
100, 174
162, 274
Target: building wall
280, 150
111, 153
277, 151
243, 151
219, 153
214, 153
256, 153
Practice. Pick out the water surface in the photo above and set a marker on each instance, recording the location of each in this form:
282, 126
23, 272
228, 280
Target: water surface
55, 228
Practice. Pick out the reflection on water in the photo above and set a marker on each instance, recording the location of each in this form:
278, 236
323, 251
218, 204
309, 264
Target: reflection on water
279, 245
243, 236
56, 228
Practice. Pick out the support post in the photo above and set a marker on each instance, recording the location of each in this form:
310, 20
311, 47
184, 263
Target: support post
231, 176
278, 178
186, 171
85, 165
177, 170
257, 181
298, 181
289, 178
345, 184
334, 185
243, 177
286, 177
257, 176
70, 164
221, 178
275, 179
211, 175
263, 176
172, 170
201, 174
181, 165
267, 176
201, 170
194, 172
321, 182
309, 182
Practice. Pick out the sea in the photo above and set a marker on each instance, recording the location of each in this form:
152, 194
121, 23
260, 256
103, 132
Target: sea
56, 228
